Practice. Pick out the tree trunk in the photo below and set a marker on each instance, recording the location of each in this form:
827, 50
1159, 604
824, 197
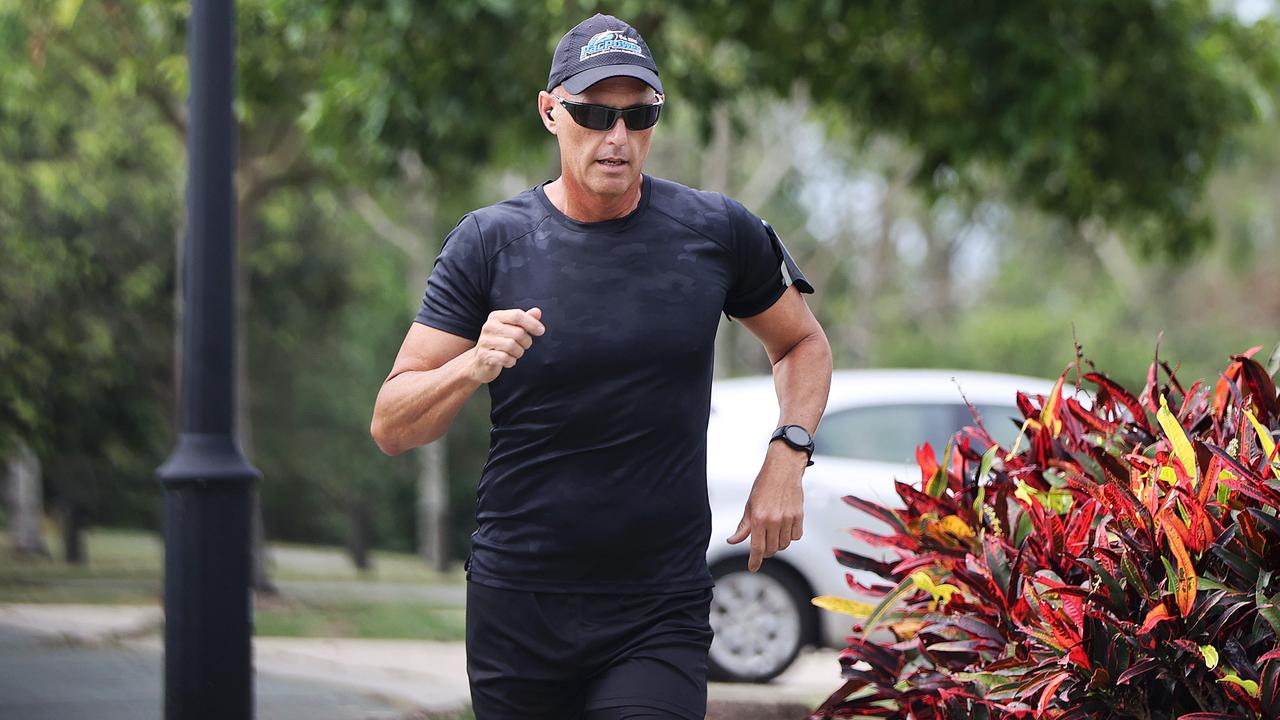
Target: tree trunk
359, 534
26, 503
433, 507
250, 197
938, 301
72, 517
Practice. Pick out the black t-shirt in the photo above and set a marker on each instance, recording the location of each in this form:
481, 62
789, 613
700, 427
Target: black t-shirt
596, 476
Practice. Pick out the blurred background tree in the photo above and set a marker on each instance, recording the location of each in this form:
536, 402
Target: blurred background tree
967, 186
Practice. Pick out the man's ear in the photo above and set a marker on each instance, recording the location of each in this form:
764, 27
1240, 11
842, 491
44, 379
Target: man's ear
548, 116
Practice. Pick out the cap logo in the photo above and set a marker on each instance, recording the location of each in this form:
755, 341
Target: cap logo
610, 41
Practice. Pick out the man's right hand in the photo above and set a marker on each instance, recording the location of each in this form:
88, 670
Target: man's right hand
505, 337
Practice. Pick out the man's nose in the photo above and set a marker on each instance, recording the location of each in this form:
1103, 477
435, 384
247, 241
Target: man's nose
617, 135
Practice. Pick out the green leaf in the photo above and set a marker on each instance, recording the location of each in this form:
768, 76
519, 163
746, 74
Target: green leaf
1023, 529
1116, 594
988, 459
881, 611
64, 15
938, 483
1210, 655
1268, 607
1204, 583
1249, 686
1171, 575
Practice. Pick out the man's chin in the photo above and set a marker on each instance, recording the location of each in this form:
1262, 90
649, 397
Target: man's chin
613, 185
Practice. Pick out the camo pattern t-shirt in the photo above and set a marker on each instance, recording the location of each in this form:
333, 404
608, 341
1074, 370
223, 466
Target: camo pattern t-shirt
596, 474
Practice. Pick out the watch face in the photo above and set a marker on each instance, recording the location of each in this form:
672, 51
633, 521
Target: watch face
797, 435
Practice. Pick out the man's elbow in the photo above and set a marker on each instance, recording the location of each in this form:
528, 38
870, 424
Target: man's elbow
384, 438
382, 441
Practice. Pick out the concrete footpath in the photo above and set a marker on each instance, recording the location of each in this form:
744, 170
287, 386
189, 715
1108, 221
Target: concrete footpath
105, 662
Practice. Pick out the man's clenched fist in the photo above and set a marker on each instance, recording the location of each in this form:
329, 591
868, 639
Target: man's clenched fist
506, 335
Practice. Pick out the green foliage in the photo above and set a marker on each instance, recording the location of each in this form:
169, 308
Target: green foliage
85, 278
330, 314
1089, 109
1125, 560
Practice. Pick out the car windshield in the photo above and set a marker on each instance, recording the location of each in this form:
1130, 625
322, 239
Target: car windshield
891, 433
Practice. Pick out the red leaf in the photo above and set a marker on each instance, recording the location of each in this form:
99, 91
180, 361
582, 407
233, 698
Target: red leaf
905, 542
1158, 614
1046, 696
1246, 481
1125, 398
1078, 528
1185, 593
927, 461
1222, 390
1137, 669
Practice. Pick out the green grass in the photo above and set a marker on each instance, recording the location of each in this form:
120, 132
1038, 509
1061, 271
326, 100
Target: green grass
464, 714
125, 567
129, 555
398, 620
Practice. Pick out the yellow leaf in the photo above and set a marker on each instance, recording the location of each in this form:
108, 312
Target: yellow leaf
953, 525
844, 606
1168, 475
1210, 654
1025, 493
1182, 448
941, 593
1049, 415
922, 580
1022, 432
1264, 435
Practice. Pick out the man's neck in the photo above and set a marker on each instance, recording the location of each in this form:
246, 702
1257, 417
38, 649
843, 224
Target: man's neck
579, 204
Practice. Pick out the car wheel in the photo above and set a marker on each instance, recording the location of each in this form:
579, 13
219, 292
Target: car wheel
760, 619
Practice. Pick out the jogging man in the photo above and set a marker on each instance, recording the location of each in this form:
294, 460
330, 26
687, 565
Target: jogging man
589, 306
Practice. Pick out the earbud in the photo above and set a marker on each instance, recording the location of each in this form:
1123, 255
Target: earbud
549, 115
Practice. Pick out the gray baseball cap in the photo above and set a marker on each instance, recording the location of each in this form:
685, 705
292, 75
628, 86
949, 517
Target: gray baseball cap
602, 46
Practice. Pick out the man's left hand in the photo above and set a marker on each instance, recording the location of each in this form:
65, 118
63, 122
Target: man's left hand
774, 516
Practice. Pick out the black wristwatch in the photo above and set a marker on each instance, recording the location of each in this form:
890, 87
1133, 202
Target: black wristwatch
797, 437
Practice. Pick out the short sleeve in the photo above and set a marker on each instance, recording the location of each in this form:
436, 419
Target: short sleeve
456, 299
763, 269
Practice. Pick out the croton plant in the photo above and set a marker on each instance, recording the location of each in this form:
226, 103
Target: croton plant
1121, 560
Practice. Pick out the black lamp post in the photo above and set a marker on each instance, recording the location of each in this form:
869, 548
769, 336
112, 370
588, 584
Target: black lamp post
208, 666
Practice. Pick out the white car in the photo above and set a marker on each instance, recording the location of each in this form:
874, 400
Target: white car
873, 423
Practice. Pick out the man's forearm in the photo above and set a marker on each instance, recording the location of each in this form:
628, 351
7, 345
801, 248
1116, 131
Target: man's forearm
416, 407
802, 379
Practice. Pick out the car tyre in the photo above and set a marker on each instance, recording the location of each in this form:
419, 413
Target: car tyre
761, 620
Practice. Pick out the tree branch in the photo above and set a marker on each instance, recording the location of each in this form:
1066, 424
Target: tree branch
175, 116
403, 239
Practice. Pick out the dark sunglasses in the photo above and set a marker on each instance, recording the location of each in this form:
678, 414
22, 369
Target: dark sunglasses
603, 117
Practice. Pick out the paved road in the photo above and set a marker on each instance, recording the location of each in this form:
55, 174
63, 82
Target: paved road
43, 679
75, 662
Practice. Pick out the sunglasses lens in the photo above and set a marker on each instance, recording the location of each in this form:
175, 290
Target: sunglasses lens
592, 117
642, 118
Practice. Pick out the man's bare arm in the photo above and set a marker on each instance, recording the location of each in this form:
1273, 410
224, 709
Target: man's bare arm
435, 372
801, 358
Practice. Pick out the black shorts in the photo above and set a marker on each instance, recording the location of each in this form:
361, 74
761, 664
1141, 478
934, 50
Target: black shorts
568, 656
